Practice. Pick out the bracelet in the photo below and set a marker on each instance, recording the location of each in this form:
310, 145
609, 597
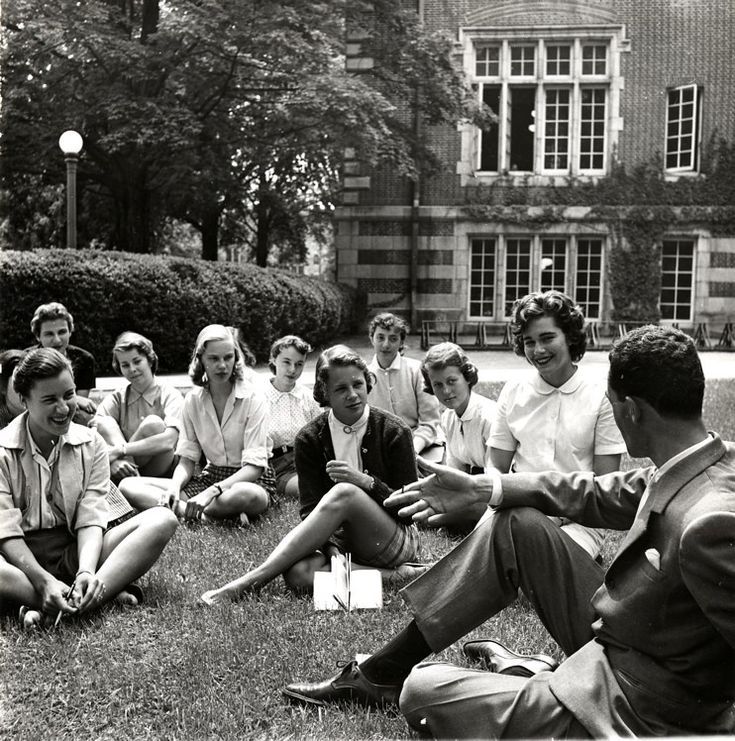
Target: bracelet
219, 489
84, 571
124, 449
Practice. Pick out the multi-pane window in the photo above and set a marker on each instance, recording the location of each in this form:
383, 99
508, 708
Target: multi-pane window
487, 61
589, 276
553, 264
556, 139
482, 278
594, 59
523, 61
682, 128
552, 103
592, 132
558, 59
677, 279
517, 271
508, 268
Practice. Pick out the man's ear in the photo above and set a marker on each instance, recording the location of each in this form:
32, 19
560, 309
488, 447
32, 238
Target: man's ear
633, 409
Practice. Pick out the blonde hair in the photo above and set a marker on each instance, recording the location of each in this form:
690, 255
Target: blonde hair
214, 333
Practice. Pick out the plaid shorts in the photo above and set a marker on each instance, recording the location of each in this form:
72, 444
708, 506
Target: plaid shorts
402, 547
212, 474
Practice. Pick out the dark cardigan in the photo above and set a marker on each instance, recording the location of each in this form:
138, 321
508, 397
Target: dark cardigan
387, 455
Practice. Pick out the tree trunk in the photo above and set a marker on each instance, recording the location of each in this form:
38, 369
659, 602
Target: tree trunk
134, 220
262, 242
210, 235
149, 20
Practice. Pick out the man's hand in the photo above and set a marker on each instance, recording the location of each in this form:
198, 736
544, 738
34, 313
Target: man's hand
432, 500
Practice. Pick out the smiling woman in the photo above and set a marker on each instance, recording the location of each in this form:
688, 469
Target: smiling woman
558, 419
54, 483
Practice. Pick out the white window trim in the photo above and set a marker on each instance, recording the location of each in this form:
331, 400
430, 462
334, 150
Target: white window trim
611, 35
694, 169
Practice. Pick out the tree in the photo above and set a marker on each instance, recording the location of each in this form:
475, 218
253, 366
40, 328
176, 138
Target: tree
214, 113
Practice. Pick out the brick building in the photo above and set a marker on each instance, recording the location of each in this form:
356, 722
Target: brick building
582, 91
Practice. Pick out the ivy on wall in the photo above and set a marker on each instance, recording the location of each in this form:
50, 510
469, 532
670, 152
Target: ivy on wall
638, 207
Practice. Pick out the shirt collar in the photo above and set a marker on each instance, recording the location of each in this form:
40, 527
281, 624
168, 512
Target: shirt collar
335, 424
472, 407
276, 394
680, 457
395, 365
569, 387
149, 394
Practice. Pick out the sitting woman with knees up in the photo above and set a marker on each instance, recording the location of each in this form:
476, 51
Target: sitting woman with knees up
57, 554
349, 459
140, 423
225, 417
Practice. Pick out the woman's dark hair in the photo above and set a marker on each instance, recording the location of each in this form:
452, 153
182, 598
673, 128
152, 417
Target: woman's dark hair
388, 322
339, 356
447, 354
134, 341
567, 315
36, 365
282, 343
9, 359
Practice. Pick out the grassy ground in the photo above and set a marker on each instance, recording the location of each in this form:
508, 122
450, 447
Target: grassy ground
173, 670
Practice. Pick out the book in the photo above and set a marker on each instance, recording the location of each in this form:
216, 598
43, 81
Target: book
345, 588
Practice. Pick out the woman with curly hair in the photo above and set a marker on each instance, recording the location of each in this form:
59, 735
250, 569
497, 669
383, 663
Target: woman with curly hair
349, 459
557, 418
226, 419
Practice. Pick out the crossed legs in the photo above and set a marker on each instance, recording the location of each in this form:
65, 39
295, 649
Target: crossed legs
517, 549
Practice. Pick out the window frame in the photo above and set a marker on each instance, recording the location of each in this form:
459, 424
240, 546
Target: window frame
695, 135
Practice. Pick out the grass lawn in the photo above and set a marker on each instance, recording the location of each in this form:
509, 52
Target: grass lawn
173, 670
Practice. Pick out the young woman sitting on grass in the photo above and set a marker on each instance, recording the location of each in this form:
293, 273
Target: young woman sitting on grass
291, 407
349, 459
57, 554
140, 423
556, 419
467, 418
225, 418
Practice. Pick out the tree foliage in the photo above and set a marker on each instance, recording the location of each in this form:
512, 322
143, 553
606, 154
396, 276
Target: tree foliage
232, 117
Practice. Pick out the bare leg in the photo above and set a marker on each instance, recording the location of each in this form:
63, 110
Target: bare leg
343, 504
243, 497
144, 492
156, 464
130, 549
292, 488
16, 587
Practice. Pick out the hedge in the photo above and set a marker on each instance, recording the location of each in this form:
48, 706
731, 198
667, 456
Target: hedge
168, 300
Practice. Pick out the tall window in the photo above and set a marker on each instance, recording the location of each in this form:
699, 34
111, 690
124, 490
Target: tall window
553, 264
552, 103
589, 276
677, 279
682, 129
517, 271
482, 278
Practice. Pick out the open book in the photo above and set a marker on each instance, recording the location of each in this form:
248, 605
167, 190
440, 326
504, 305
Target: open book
347, 588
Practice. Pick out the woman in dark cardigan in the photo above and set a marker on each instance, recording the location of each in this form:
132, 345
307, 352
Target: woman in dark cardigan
348, 460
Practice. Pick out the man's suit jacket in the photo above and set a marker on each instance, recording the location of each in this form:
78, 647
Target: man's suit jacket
665, 628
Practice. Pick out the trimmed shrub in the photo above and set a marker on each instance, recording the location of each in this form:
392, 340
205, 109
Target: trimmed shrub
168, 300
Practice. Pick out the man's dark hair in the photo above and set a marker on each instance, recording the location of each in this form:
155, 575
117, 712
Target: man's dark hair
661, 366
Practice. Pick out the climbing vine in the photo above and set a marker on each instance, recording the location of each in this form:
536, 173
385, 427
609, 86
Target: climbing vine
638, 206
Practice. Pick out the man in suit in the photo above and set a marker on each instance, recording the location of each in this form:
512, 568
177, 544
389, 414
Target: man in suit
650, 642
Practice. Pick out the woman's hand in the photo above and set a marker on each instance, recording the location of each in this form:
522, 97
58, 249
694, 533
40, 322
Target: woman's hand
170, 497
56, 597
88, 592
343, 472
197, 504
122, 468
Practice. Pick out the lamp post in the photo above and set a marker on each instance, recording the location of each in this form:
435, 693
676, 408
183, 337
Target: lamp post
71, 144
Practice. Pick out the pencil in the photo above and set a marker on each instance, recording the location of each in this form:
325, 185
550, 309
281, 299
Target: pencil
61, 612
